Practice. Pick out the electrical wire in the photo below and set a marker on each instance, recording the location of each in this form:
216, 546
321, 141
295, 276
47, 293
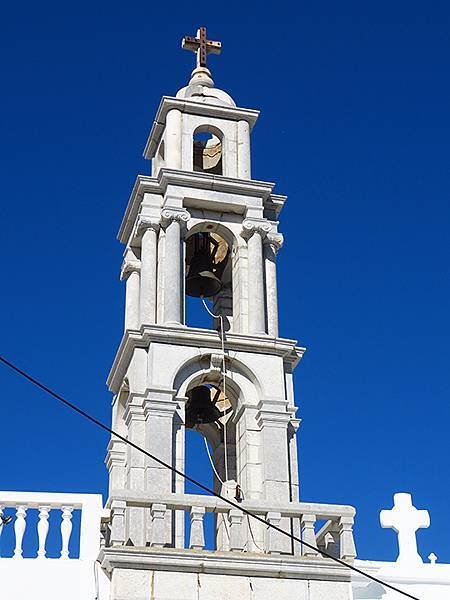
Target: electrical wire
89, 417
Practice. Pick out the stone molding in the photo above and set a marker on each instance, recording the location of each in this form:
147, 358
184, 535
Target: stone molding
159, 408
144, 223
222, 563
204, 338
275, 241
128, 266
251, 226
245, 189
133, 412
169, 215
116, 453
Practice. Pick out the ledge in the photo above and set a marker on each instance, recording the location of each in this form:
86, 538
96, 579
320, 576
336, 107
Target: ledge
218, 183
222, 563
190, 336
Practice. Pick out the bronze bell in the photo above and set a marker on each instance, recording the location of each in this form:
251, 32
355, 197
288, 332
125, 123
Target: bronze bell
202, 279
200, 408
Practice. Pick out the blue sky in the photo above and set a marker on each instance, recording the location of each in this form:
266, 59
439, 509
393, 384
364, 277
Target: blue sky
354, 128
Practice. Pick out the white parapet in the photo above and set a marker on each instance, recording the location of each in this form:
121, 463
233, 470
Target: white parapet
26, 529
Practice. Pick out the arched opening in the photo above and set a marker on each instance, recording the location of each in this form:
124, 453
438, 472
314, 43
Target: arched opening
208, 275
210, 442
207, 150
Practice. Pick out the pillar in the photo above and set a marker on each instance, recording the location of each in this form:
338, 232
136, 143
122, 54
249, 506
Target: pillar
159, 411
243, 155
271, 246
172, 150
254, 232
135, 480
173, 219
273, 420
149, 230
131, 273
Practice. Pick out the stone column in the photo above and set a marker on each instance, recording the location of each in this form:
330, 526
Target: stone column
255, 231
173, 219
243, 154
172, 150
135, 476
131, 273
272, 244
148, 228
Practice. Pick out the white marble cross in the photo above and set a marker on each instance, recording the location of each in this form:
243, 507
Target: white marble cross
405, 519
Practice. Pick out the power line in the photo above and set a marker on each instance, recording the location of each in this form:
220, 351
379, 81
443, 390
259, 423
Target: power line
89, 417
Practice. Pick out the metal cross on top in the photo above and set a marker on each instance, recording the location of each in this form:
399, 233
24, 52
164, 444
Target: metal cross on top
201, 46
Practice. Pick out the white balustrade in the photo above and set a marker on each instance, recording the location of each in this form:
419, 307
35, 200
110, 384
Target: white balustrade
335, 537
90, 506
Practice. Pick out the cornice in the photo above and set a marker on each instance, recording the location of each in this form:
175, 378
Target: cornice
204, 338
167, 103
187, 179
223, 563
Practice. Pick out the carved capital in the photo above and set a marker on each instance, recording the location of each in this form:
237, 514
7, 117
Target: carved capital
275, 241
251, 226
128, 266
168, 215
145, 223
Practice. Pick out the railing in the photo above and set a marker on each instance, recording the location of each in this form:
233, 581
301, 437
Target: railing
302, 519
16, 506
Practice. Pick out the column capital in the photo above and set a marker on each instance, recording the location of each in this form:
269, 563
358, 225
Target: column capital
128, 266
275, 241
168, 215
144, 222
251, 226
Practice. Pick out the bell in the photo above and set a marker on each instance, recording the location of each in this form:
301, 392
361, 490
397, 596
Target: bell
201, 279
199, 408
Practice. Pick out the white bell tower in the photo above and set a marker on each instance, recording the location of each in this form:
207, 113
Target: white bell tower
201, 195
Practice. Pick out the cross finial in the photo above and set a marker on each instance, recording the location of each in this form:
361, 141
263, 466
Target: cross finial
405, 519
201, 46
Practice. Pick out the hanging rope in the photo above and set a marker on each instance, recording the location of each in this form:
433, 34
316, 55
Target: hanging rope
222, 339
211, 461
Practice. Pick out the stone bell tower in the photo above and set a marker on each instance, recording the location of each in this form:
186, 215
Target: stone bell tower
201, 204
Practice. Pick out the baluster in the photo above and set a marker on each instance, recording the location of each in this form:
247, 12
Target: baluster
19, 530
274, 539
235, 517
331, 540
158, 533
308, 534
42, 530
66, 530
118, 522
197, 536
348, 550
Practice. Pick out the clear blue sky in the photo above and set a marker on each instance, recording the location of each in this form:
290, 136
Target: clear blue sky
355, 129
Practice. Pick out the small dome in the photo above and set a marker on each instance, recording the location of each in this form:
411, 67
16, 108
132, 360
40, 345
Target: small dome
201, 89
